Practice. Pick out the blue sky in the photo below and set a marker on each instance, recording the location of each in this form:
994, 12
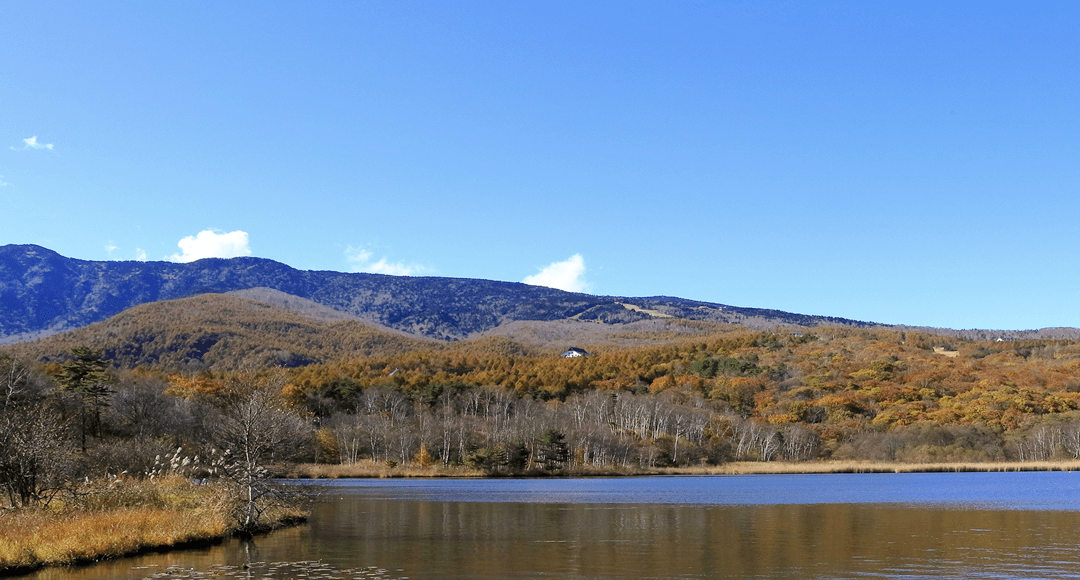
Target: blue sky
898, 162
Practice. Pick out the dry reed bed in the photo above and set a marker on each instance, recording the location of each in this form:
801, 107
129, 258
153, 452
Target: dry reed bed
762, 468
122, 519
367, 469
374, 469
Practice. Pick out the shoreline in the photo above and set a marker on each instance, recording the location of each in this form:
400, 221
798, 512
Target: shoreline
371, 470
186, 544
128, 519
26, 569
36, 538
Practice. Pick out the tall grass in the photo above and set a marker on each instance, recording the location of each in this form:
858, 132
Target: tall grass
757, 467
118, 518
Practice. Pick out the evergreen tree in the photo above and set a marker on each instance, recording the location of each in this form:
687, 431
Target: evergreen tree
85, 376
517, 457
552, 452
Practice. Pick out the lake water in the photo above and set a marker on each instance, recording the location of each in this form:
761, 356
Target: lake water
961, 525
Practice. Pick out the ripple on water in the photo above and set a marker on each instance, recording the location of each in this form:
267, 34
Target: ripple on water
307, 570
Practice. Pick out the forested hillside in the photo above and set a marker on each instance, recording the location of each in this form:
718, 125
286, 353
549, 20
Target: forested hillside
228, 332
497, 405
835, 393
220, 332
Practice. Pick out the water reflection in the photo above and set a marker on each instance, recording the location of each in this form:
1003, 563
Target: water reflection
481, 540
412, 530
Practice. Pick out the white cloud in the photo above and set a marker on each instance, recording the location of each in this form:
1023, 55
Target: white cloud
2, 182
140, 254
358, 256
566, 275
210, 244
32, 143
361, 262
394, 269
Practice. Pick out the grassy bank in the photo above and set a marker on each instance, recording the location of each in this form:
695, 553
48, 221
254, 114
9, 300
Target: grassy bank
377, 469
373, 469
753, 467
369, 469
121, 518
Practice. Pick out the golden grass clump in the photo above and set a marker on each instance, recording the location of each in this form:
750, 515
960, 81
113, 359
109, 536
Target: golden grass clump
39, 538
109, 521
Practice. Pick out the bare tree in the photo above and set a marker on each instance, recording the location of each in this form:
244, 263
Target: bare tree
14, 380
800, 443
142, 409
350, 436
255, 426
34, 450
404, 439
1070, 439
1041, 443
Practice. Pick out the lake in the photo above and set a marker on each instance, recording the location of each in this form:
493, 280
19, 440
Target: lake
971, 525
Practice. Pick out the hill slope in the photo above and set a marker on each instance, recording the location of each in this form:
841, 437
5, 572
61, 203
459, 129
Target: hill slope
42, 293
220, 332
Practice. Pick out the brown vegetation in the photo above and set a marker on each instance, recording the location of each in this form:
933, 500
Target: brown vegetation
760, 468
839, 393
708, 398
55, 441
118, 517
219, 332
368, 468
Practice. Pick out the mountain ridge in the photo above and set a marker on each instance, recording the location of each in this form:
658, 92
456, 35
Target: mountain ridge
43, 293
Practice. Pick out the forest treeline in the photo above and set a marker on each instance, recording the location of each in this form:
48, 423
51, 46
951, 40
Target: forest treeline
77, 433
492, 405
833, 393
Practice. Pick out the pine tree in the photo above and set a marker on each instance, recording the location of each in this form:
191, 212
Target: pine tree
517, 457
85, 376
552, 452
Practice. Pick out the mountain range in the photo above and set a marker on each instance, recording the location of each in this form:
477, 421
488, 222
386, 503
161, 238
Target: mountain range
44, 293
